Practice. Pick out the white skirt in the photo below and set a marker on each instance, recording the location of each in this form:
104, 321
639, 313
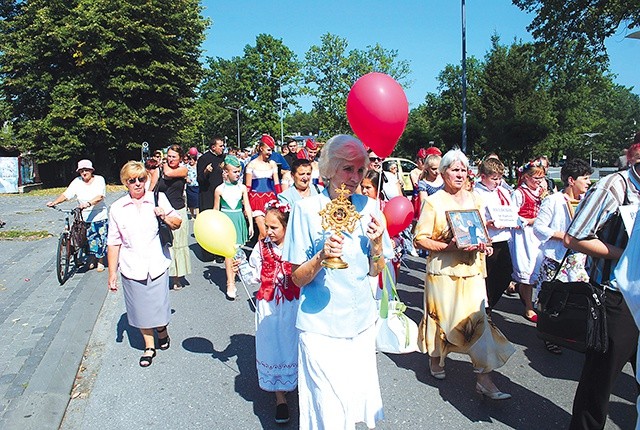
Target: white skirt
277, 345
338, 381
525, 255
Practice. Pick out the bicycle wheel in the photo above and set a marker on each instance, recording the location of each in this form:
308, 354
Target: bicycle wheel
62, 258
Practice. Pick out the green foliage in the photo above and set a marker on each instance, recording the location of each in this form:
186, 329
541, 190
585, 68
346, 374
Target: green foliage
254, 84
330, 71
98, 77
586, 22
519, 111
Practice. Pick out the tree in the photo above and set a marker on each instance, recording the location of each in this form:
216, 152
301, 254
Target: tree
587, 22
443, 110
253, 83
519, 112
330, 71
96, 78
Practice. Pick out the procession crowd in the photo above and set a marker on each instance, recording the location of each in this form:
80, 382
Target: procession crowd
316, 324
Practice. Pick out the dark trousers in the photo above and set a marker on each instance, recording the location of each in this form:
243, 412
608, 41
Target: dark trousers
591, 404
498, 272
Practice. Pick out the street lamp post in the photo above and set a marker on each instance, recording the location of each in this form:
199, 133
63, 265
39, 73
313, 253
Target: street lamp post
590, 136
238, 120
281, 114
464, 78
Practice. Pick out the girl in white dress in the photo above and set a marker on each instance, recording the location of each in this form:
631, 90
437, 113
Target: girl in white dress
525, 246
276, 311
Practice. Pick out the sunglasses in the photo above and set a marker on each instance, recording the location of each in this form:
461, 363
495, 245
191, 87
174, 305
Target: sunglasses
133, 180
375, 159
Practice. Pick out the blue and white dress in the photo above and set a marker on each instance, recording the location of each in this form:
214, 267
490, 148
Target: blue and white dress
337, 377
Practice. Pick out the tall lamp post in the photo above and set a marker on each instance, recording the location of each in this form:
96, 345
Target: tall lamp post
464, 78
281, 114
591, 136
238, 120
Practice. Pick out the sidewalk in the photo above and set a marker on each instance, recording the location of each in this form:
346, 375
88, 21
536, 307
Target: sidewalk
44, 327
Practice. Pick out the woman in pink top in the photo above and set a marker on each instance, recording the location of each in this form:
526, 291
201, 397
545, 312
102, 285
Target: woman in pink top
135, 248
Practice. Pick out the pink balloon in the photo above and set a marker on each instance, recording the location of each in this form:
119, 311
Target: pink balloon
399, 213
377, 110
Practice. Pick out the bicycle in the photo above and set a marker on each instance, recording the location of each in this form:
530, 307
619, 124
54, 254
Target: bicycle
72, 242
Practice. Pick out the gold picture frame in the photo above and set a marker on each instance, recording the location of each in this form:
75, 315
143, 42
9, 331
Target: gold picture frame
468, 228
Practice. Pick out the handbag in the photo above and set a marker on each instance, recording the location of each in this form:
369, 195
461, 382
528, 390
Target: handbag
78, 230
396, 333
573, 314
164, 231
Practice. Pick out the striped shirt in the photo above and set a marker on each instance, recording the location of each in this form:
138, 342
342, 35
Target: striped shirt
597, 216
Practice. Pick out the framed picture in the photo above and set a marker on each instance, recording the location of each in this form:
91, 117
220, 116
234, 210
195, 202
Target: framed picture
468, 228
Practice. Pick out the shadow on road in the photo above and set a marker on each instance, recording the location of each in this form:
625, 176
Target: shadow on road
242, 347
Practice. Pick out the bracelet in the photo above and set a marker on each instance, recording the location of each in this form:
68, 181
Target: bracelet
376, 257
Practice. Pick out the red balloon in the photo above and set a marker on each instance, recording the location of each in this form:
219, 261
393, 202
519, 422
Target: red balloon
399, 213
377, 110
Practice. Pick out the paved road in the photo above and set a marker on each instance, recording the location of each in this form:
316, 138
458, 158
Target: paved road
207, 379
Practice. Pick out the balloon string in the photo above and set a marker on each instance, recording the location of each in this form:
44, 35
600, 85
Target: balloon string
379, 188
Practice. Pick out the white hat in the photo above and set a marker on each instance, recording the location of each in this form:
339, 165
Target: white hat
85, 164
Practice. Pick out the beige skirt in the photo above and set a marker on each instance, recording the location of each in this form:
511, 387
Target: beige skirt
180, 255
455, 321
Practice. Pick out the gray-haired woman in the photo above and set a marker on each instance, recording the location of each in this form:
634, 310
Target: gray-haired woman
454, 309
337, 375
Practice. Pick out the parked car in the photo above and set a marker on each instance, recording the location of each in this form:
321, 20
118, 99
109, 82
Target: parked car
404, 168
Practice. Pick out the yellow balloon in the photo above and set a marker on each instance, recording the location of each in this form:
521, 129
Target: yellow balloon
215, 232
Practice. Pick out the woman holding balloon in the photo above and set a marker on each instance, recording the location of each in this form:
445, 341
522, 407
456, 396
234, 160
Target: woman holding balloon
337, 378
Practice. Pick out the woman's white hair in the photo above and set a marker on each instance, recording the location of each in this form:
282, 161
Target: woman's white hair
451, 157
341, 147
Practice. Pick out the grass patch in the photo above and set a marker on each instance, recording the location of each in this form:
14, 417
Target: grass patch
23, 235
56, 191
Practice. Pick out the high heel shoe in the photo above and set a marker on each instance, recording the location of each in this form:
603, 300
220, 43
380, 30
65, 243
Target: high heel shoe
493, 395
440, 374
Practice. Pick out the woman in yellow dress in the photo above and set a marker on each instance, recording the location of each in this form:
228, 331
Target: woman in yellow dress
455, 296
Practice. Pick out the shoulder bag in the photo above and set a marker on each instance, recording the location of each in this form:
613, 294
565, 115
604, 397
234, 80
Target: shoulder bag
573, 314
164, 231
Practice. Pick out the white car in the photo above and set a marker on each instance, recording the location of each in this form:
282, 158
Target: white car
404, 168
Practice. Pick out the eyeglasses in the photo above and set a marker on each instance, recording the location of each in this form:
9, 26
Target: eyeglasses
375, 159
133, 180
84, 170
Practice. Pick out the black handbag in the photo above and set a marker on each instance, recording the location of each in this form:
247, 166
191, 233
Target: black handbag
573, 314
164, 231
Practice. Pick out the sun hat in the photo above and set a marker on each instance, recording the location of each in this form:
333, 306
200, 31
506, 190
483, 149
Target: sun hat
85, 164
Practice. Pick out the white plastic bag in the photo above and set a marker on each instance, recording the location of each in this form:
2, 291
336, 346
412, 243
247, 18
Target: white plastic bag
397, 333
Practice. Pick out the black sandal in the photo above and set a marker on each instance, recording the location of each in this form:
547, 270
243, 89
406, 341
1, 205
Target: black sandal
146, 360
163, 342
552, 347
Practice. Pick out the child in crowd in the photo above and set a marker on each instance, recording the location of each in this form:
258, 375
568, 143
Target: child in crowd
525, 248
494, 198
276, 311
232, 198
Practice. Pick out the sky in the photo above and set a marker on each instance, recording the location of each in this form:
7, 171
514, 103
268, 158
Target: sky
427, 33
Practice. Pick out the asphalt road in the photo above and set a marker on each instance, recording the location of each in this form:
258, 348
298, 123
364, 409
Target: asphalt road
207, 379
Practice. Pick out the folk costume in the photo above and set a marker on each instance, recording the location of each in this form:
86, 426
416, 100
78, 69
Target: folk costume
276, 312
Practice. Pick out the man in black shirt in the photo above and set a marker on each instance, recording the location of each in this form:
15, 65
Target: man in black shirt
293, 152
209, 169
